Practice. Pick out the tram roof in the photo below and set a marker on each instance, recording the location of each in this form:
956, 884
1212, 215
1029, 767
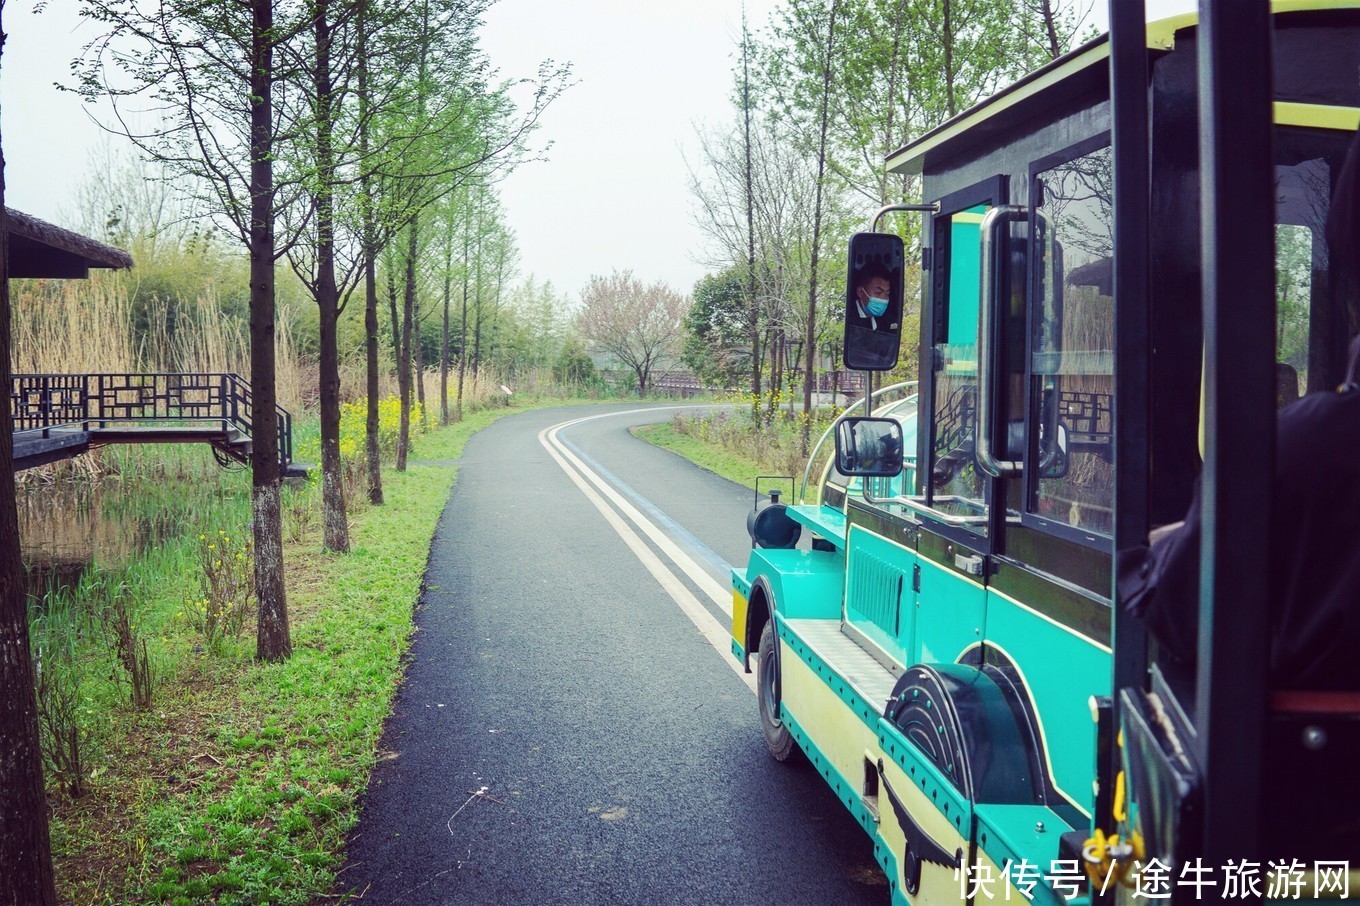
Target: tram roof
1072, 74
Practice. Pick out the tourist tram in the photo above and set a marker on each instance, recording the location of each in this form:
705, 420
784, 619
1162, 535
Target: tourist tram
947, 652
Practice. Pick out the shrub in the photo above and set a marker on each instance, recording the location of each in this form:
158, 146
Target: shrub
227, 577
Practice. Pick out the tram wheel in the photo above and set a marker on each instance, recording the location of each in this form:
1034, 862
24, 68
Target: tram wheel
777, 736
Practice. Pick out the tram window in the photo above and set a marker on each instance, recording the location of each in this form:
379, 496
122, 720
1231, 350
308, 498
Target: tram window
1072, 347
1311, 326
1293, 295
956, 485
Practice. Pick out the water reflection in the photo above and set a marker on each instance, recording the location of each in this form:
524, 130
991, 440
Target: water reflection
67, 526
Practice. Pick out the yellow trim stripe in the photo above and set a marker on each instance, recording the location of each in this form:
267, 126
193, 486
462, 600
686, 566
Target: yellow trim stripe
1043, 734
1161, 35
1047, 619
1317, 116
909, 159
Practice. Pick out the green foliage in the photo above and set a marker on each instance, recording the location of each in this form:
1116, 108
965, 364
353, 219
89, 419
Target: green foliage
717, 338
574, 365
227, 580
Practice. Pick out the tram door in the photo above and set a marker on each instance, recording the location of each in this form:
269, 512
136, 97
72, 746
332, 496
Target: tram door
1018, 481
956, 540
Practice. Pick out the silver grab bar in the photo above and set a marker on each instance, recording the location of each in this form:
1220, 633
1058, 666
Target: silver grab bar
986, 460
919, 505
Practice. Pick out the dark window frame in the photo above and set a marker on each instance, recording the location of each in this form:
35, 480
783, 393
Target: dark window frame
1034, 256
992, 191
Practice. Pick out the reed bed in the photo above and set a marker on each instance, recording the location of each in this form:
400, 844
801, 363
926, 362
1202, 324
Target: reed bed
64, 326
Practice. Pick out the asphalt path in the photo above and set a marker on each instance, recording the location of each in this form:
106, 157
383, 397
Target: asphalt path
572, 728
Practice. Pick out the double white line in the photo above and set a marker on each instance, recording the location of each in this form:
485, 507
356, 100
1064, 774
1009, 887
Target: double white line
584, 477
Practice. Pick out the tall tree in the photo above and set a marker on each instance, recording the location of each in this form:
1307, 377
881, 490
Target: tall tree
748, 196
810, 340
369, 248
635, 323
715, 327
25, 850
321, 277
208, 69
273, 640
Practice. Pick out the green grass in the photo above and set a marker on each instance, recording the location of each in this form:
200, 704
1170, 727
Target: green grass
240, 784
730, 464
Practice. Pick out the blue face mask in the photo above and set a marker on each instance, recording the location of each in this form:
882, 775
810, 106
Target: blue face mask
876, 307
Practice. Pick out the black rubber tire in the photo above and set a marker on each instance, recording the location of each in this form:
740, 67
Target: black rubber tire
778, 739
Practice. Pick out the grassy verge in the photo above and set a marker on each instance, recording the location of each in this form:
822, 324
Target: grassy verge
733, 465
739, 447
239, 784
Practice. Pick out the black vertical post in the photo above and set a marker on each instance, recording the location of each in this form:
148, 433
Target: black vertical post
1237, 236
1132, 371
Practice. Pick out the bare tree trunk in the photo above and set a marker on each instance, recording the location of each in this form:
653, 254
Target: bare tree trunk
273, 640
335, 525
477, 329
776, 358
392, 311
25, 850
371, 449
949, 74
1051, 28
748, 177
404, 351
374, 453
417, 349
809, 339
888, 143
444, 340
463, 335
496, 310
411, 314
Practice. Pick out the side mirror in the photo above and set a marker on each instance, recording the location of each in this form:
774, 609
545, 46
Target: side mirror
873, 301
1052, 451
871, 447
1053, 456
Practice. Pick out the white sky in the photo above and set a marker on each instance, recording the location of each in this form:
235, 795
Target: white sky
614, 192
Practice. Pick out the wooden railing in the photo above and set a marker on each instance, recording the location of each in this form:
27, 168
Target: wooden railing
44, 402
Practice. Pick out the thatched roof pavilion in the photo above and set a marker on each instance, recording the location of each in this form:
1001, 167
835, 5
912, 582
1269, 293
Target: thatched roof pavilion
40, 249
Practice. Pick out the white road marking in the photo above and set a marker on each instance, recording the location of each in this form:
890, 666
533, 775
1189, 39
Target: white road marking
583, 477
720, 596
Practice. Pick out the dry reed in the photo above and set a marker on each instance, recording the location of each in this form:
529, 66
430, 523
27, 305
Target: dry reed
65, 327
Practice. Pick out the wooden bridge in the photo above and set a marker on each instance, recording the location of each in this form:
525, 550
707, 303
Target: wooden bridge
58, 416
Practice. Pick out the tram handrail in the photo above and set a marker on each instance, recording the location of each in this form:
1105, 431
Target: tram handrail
852, 407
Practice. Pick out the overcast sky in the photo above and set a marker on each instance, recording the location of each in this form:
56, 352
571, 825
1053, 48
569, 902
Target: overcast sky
614, 192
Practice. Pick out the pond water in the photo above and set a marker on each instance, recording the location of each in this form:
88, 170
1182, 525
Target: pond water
70, 524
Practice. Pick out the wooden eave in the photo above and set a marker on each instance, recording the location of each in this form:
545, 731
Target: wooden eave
40, 249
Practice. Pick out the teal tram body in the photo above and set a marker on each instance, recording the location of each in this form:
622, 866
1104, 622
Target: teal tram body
942, 653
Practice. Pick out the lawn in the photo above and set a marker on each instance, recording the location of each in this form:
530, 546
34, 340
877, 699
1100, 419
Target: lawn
239, 783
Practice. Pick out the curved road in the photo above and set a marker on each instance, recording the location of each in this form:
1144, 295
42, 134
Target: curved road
573, 728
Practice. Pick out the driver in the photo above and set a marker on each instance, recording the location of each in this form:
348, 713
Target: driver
873, 299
